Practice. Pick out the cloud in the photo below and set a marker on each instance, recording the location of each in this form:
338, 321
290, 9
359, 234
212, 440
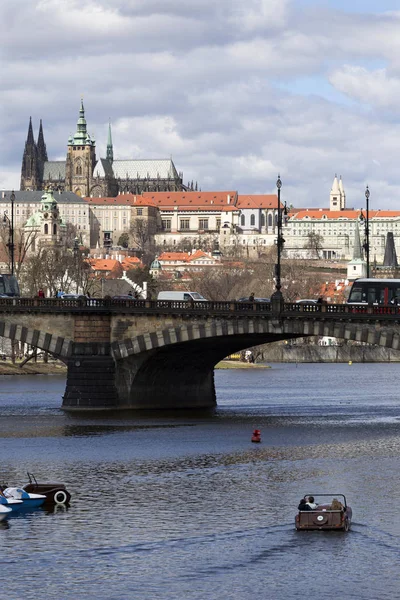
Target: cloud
234, 92
376, 87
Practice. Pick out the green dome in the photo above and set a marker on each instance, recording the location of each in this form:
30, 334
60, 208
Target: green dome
155, 264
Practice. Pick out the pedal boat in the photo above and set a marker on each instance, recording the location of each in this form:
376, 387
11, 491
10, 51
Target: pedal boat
55, 493
5, 511
323, 517
27, 500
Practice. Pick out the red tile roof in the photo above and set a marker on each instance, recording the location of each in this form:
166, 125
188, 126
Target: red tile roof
258, 201
131, 262
122, 199
199, 199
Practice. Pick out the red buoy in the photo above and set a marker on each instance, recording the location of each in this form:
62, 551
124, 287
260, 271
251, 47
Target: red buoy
256, 437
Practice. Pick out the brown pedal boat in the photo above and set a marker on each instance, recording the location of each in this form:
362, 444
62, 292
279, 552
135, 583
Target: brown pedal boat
335, 515
56, 493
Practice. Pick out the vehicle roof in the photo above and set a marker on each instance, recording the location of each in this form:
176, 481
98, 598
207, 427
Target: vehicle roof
375, 280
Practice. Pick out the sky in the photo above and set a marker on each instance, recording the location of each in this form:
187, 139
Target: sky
235, 92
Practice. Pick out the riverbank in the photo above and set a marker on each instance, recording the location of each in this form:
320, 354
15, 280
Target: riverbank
32, 368
236, 364
312, 353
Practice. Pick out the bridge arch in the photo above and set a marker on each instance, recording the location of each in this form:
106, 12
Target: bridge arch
251, 332
176, 364
54, 344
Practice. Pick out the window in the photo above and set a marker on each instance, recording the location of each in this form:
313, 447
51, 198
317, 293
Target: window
262, 220
252, 221
46, 229
218, 223
242, 220
166, 224
139, 212
203, 223
185, 224
54, 229
269, 220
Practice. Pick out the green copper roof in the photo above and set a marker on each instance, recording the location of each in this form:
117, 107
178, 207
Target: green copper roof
81, 137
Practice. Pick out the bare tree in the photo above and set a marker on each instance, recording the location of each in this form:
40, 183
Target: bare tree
52, 269
314, 242
220, 283
143, 239
24, 243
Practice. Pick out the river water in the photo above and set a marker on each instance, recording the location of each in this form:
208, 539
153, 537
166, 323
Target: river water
183, 506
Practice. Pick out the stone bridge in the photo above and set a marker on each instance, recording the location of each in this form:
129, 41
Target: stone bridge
157, 354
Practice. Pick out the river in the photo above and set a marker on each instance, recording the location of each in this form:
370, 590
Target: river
183, 506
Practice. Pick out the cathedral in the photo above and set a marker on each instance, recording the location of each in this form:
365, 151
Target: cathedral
86, 176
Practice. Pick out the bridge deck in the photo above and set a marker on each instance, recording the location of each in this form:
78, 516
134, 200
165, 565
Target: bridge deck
218, 308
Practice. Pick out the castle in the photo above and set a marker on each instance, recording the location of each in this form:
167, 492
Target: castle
86, 176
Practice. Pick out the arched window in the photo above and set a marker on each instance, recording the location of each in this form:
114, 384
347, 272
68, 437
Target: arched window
269, 220
46, 229
252, 221
242, 220
262, 220
54, 229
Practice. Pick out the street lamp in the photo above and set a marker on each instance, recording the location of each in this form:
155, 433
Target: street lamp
366, 243
76, 255
10, 223
279, 243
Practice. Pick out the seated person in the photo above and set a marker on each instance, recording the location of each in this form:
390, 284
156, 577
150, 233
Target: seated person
311, 503
303, 505
336, 505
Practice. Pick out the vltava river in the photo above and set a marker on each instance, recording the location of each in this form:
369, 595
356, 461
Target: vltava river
183, 506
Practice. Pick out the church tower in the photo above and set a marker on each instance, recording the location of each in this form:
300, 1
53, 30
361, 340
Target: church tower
110, 151
30, 171
337, 199
81, 158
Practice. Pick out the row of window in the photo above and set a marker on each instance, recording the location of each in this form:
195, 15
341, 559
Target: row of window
184, 224
253, 220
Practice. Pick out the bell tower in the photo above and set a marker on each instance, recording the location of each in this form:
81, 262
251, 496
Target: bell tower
81, 158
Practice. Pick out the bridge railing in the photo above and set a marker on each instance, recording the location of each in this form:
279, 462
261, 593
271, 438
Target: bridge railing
174, 306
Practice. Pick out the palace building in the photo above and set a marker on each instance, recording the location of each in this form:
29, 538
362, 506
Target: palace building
85, 175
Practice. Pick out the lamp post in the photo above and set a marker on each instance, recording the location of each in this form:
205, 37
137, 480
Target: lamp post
10, 222
366, 243
279, 243
76, 255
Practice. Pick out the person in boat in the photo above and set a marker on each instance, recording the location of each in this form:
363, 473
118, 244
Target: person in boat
311, 503
303, 505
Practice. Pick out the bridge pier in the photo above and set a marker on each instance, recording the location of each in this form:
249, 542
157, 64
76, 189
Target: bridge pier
90, 378
165, 379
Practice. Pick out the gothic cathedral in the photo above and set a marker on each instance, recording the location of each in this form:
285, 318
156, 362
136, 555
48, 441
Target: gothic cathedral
84, 175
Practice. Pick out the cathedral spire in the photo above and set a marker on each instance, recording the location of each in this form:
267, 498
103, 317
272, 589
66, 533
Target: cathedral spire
110, 151
41, 146
30, 139
357, 252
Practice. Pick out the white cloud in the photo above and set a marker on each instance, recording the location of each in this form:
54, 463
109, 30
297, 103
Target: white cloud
370, 87
212, 84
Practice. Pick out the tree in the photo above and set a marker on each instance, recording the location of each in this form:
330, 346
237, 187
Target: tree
123, 240
220, 283
142, 238
140, 275
55, 268
24, 243
314, 242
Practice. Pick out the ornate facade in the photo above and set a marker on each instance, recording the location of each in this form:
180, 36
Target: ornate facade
84, 175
